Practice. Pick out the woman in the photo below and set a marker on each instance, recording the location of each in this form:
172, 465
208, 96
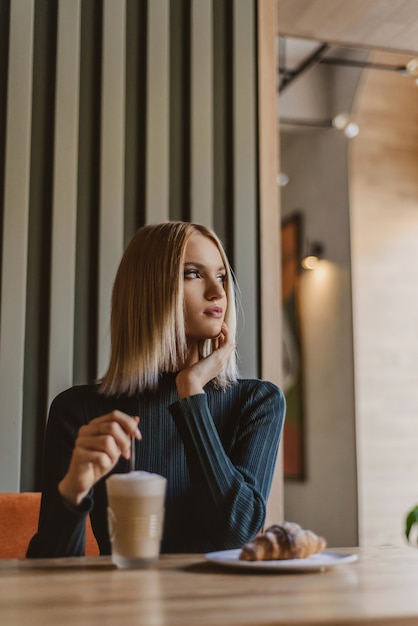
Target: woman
173, 364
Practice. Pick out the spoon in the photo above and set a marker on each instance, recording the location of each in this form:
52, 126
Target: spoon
132, 459
133, 448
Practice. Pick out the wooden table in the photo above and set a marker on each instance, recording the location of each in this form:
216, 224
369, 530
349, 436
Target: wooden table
381, 588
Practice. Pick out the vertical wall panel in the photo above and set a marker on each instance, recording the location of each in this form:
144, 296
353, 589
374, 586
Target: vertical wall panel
157, 142
36, 363
245, 180
15, 231
223, 187
201, 179
179, 110
135, 122
112, 165
86, 277
64, 198
4, 47
269, 220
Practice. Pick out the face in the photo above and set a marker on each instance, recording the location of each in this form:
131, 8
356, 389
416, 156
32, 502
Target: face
204, 294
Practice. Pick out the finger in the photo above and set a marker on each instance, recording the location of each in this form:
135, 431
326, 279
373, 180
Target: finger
123, 419
225, 345
222, 338
117, 422
102, 443
104, 436
135, 430
102, 459
88, 466
224, 329
227, 338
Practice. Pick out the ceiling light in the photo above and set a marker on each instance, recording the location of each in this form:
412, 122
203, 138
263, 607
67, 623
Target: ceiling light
345, 124
282, 179
351, 130
412, 68
341, 120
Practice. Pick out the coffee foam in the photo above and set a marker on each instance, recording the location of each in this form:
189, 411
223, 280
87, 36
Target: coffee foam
136, 483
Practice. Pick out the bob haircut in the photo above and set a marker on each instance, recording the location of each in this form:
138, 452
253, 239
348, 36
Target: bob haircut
147, 324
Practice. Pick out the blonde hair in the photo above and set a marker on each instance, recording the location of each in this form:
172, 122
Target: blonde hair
147, 318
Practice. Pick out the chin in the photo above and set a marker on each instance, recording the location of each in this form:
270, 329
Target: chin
209, 330
207, 335
212, 334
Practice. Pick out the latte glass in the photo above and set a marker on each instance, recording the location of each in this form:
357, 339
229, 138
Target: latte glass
136, 517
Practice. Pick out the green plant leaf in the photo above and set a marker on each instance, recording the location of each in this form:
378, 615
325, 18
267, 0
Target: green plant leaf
411, 520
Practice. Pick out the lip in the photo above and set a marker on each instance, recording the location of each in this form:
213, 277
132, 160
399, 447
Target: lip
214, 311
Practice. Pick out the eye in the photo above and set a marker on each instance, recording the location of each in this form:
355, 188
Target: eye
191, 274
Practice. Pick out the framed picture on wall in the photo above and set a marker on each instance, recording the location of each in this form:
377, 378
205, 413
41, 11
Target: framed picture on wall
293, 435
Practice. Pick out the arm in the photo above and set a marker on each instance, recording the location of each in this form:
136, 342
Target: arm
78, 452
231, 487
61, 528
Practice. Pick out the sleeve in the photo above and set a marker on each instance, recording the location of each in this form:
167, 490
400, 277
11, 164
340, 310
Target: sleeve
61, 528
230, 489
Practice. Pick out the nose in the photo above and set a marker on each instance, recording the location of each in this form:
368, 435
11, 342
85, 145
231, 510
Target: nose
214, 290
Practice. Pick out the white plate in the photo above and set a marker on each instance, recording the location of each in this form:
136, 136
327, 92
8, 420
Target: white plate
316, 562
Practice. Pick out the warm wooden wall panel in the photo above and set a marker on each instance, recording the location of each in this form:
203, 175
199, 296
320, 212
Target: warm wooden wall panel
270, 316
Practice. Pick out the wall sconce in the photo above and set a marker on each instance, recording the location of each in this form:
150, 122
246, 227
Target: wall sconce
314, 254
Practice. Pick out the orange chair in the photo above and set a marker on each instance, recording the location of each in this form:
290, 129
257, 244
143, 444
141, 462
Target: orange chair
19, 514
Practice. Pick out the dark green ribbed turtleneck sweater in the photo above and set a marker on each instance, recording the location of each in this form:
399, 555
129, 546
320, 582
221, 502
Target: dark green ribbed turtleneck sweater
216, 449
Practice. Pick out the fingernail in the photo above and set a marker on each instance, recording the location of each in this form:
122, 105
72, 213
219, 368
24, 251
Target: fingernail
137, 431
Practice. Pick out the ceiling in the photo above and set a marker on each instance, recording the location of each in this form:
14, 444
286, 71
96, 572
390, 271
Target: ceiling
379, 24
297, 56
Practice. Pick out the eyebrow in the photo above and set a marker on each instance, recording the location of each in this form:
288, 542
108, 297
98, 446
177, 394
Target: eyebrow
201, 266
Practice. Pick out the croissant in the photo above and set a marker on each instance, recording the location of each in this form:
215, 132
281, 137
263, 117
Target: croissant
283, 541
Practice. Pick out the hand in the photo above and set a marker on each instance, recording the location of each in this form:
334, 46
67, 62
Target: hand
98, 448
197, 373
